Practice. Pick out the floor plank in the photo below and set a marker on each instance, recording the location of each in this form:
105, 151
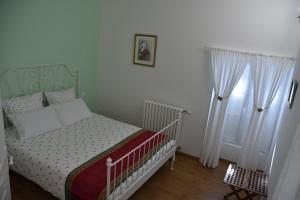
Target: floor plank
189, 181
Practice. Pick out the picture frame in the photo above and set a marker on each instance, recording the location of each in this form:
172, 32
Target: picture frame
144, 51
292, 93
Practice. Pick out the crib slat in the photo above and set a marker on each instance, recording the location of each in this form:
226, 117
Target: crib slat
115, 171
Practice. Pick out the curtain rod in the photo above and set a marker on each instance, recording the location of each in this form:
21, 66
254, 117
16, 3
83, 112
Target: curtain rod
251, 53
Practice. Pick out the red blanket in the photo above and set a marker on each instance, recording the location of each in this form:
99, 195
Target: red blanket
88, 181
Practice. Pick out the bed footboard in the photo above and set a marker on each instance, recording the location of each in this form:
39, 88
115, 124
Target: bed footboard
127, 174
141, 163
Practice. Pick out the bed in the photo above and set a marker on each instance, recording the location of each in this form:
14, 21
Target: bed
95, 157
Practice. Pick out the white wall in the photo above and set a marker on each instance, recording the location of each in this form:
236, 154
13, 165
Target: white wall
287, 131
181, 74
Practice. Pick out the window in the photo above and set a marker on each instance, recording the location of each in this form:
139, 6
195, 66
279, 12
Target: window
238, 116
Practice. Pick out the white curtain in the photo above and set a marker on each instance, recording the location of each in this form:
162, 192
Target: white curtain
288, 184
238, 115
268, 74
227, 69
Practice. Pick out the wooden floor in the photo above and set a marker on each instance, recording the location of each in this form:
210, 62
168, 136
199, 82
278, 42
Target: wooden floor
188, 181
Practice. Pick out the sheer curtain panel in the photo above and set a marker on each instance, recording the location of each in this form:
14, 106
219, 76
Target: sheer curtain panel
227, 69
268, 74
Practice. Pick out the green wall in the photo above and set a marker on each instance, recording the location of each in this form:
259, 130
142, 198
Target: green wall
50, 32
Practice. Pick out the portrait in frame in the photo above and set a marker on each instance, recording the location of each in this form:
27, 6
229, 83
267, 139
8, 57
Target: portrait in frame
144, 49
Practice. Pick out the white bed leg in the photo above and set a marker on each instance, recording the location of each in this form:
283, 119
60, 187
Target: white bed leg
173, 160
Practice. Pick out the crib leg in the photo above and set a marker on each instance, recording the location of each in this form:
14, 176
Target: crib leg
172, 162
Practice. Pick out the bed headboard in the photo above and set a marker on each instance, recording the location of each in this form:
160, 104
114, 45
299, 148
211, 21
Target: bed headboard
27, 80
20, 81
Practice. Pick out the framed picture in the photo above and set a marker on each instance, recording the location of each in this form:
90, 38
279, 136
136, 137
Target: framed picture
144, 49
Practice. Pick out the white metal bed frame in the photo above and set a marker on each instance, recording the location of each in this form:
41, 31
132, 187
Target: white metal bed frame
25, 80
146, 168
30, 79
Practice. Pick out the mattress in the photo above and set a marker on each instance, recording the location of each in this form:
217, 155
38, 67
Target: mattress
47, 159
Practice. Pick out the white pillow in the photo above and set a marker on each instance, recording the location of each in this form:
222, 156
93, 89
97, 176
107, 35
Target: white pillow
32, 123
72, 111
62, 96
23, 103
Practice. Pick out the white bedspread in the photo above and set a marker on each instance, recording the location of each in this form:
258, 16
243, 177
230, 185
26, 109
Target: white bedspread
47, 159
